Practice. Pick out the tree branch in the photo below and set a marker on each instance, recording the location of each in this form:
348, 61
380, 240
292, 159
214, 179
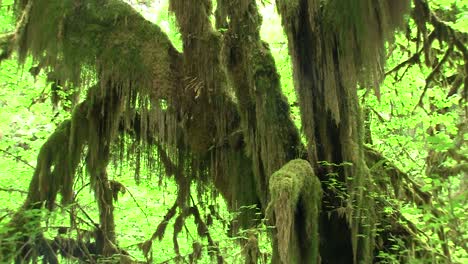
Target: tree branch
431, 76
6, 45
18, 158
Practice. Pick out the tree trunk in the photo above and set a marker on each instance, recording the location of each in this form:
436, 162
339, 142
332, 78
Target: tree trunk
326, 61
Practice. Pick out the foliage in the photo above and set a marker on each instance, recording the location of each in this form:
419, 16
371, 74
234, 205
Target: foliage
419, 122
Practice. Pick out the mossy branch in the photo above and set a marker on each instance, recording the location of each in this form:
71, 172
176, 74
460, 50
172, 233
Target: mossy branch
6, 45
383, 168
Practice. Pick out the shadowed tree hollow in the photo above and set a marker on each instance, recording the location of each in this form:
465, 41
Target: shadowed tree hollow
215, 116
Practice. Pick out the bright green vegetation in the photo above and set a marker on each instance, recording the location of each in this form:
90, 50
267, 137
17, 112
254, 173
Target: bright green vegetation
113, 155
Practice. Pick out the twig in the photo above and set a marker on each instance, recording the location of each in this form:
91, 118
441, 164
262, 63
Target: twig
81, 188
410, 61
13, 190
137, 204
18, 158
430, 78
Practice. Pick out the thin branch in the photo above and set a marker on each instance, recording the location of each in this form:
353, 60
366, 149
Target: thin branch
451, 35
431, 76
18, 158
137, 204
6, 44
414, 59
13, 190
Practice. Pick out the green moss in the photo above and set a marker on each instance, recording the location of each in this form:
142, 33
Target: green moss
288, 8
295, 188
360, 30
109, 37
270, 136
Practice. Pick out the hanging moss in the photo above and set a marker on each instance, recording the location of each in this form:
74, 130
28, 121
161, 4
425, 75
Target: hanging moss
57, 162
235, 181
295, 190
212, 122
360, 29
108, 37
109, 42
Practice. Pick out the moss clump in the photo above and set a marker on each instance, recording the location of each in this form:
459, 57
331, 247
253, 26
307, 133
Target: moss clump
295, 190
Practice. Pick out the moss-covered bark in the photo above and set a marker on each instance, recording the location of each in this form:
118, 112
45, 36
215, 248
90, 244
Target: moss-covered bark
270, 135
296, 196
333, 45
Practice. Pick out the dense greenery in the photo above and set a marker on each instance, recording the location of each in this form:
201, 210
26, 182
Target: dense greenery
414, 130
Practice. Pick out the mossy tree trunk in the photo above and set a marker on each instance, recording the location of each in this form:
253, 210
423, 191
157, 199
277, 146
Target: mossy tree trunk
330, 45
216, 113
